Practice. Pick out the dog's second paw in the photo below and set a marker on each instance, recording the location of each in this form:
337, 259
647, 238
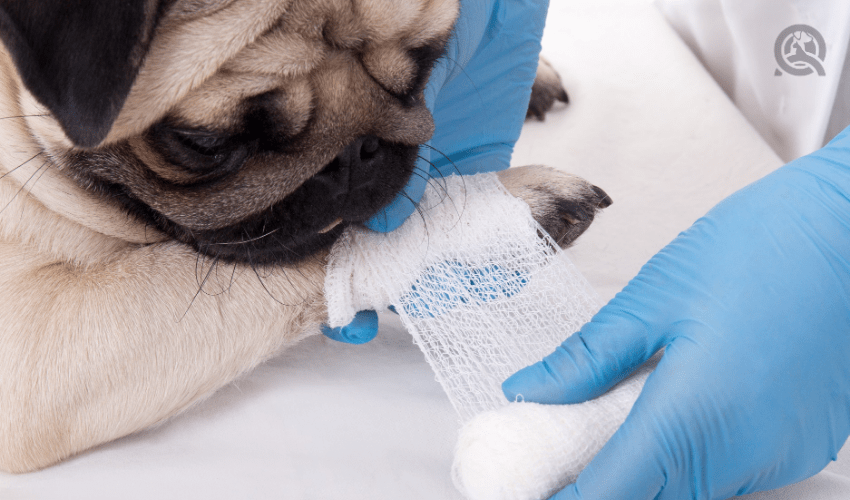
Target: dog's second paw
547, 89
562, 203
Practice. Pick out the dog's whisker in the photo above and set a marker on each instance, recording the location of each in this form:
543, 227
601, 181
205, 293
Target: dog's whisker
425, 219
416, 207
199, 269
268, 271
211, 272
198, 256
44, 171
457, 169
24, 116
22, 164
232, 277
468, 77
441, 182
263, 284
24, 185
217, 268
242, 242
433, 166
283, 269
195, 297
216, 265
428, 177
445, 193
444, 155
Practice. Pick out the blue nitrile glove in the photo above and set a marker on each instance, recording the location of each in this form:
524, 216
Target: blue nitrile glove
478, 94
362, 329
753, 306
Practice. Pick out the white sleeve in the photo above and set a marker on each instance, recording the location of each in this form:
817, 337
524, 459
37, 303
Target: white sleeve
752, 50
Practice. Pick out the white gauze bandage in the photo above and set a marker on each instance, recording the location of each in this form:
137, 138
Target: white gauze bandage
484, 291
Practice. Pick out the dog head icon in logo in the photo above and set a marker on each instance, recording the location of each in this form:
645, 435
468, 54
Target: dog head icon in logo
800, 50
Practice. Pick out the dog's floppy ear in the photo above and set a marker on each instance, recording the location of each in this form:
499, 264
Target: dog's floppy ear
79, 58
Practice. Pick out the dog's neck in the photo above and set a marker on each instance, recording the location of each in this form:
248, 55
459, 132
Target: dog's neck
31, 184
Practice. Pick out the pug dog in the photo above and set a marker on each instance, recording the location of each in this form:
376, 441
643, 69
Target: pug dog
171, 176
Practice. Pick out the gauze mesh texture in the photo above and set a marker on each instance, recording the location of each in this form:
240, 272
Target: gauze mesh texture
481, 287
529, 451
484, 291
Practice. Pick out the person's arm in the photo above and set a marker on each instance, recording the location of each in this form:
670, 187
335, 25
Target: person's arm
752, 307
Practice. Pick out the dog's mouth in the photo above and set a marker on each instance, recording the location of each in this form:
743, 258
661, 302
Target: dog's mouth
364, 178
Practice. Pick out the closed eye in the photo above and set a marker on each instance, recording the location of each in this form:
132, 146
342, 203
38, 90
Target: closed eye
201, 142
204, 154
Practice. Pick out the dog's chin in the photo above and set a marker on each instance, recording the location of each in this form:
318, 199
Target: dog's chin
308, 220
269, 249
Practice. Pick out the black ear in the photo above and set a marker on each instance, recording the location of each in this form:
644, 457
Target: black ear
79, 58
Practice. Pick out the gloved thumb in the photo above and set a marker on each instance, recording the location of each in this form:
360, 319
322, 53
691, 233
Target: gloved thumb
588, 363
362, 329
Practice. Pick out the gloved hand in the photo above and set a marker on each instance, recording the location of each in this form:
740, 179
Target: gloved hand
478, 95
753, 306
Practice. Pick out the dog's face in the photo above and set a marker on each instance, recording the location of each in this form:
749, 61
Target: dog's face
245, 128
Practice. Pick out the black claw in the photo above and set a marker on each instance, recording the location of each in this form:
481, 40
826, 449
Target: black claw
563, 97
604, 200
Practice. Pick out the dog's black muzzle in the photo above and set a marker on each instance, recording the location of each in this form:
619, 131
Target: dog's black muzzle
366, 176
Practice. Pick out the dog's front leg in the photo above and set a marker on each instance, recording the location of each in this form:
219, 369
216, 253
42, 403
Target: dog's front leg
94, 353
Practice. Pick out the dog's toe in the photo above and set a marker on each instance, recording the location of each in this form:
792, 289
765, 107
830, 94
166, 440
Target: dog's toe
569, 216
547, 89
563, 204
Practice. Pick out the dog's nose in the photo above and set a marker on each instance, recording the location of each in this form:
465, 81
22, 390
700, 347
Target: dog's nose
360, 156
365, 177
353, 174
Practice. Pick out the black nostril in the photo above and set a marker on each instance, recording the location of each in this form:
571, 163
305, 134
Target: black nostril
369, 147
352, 170
360, 153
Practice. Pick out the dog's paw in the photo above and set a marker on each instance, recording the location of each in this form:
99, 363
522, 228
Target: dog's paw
562, 203
547, 89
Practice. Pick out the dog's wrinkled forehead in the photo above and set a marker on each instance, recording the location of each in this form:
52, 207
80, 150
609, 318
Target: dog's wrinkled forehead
205, 48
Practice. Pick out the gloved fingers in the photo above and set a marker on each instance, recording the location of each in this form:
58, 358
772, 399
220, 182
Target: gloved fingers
480, 73
362, 329
639, 461
632, 491
630, 329
588, 363
621, 471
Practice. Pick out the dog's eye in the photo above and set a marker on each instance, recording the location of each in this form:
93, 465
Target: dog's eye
201, 143
202, 153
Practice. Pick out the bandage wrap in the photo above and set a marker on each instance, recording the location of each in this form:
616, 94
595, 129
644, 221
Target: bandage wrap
484, 291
